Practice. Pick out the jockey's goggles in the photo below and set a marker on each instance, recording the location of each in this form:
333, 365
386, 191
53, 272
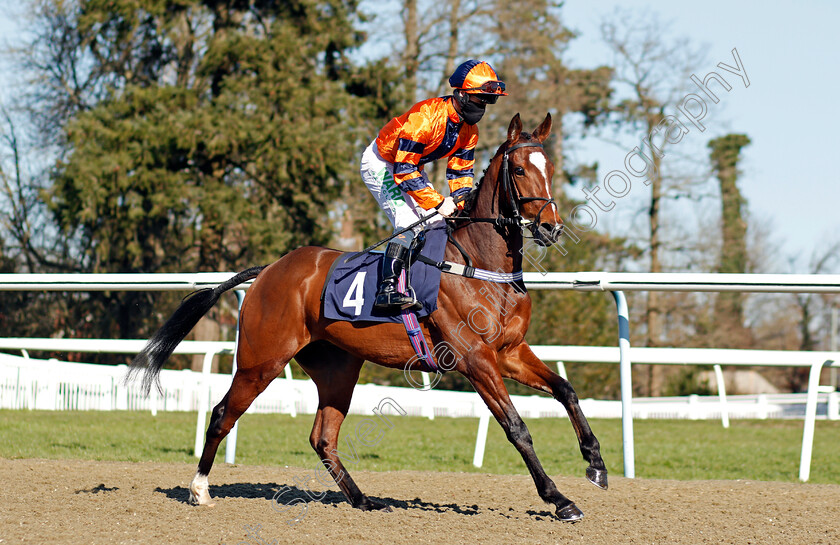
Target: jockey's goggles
485, 99
489, 87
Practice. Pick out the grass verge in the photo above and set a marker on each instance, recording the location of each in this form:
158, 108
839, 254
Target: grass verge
766, 450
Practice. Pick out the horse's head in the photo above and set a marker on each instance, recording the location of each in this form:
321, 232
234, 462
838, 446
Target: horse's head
523, 181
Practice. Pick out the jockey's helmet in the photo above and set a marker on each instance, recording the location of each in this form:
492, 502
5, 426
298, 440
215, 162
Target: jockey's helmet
478, 78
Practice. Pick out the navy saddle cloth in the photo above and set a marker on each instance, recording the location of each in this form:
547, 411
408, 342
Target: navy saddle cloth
351, 287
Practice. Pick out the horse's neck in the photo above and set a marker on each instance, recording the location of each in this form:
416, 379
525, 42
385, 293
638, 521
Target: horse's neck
488, 249
491, 248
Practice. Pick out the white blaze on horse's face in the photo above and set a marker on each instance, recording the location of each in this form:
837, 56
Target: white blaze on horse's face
538, 159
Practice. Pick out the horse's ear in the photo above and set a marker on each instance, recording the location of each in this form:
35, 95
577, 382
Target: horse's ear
514, 128
544, 129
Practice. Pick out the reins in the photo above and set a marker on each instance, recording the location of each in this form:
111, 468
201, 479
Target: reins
500, 221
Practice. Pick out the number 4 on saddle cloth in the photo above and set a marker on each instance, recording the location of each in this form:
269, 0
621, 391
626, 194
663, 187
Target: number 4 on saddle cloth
351, 287
350, 290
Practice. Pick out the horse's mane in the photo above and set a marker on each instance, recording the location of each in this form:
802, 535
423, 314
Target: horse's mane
472, 196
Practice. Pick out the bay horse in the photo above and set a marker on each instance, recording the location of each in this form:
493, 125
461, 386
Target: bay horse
282, 318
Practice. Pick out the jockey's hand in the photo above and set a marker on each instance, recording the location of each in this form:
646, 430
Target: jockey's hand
447, 208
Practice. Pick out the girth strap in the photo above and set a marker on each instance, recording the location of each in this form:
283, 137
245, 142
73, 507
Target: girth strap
412, 326
472, 272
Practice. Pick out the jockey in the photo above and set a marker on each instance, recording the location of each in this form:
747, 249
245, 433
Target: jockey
392, 166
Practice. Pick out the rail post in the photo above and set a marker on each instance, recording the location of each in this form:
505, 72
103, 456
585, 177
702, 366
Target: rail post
626, 384
481, 437
810, 420
724, 411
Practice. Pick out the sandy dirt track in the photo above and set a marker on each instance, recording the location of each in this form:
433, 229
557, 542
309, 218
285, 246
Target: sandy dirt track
69, 501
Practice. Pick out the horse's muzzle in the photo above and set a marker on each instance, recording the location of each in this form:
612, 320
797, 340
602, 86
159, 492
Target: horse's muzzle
548, 233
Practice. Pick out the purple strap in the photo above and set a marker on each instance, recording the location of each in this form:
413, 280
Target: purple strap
418, 340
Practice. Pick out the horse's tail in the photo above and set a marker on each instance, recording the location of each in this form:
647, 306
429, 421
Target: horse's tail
190, 311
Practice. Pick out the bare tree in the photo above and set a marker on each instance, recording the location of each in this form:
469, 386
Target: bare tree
814, 310
16, 221
29, 236
411, 53
652, 72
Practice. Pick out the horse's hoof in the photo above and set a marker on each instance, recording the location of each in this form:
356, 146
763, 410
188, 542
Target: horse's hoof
570, 513
199, 494
375, 505
201, 499
598, 477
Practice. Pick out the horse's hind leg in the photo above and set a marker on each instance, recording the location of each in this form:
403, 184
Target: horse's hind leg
247, 385
523, 366
335, 373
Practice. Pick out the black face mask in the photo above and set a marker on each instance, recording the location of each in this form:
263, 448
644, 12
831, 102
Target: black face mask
471, 112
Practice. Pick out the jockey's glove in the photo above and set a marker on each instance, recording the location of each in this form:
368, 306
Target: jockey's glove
447, 207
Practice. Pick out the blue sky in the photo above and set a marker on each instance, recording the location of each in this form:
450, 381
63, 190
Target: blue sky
792, 56
791, 52
9, 25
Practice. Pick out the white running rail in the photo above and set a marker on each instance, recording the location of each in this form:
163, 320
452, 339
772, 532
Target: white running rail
580, 281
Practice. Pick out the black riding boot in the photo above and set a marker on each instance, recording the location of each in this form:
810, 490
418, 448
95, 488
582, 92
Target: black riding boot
388, 297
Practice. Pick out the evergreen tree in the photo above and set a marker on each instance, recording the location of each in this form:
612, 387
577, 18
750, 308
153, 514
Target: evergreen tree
197, 135
729, 308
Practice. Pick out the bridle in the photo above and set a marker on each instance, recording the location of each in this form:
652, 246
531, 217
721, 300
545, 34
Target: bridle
514, 199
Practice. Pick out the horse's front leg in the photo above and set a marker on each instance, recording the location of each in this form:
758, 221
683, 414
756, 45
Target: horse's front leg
522, 365
483, 374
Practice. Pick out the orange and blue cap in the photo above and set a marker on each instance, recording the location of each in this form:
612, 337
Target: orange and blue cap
477, 77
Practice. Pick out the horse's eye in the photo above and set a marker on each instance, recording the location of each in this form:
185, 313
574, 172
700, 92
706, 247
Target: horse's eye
519, 171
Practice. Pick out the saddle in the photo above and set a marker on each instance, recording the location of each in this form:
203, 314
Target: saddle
350, 287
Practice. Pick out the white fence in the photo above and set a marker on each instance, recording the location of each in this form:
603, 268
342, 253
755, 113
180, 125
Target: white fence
27, 383
613, 282
38, 384
53, 385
